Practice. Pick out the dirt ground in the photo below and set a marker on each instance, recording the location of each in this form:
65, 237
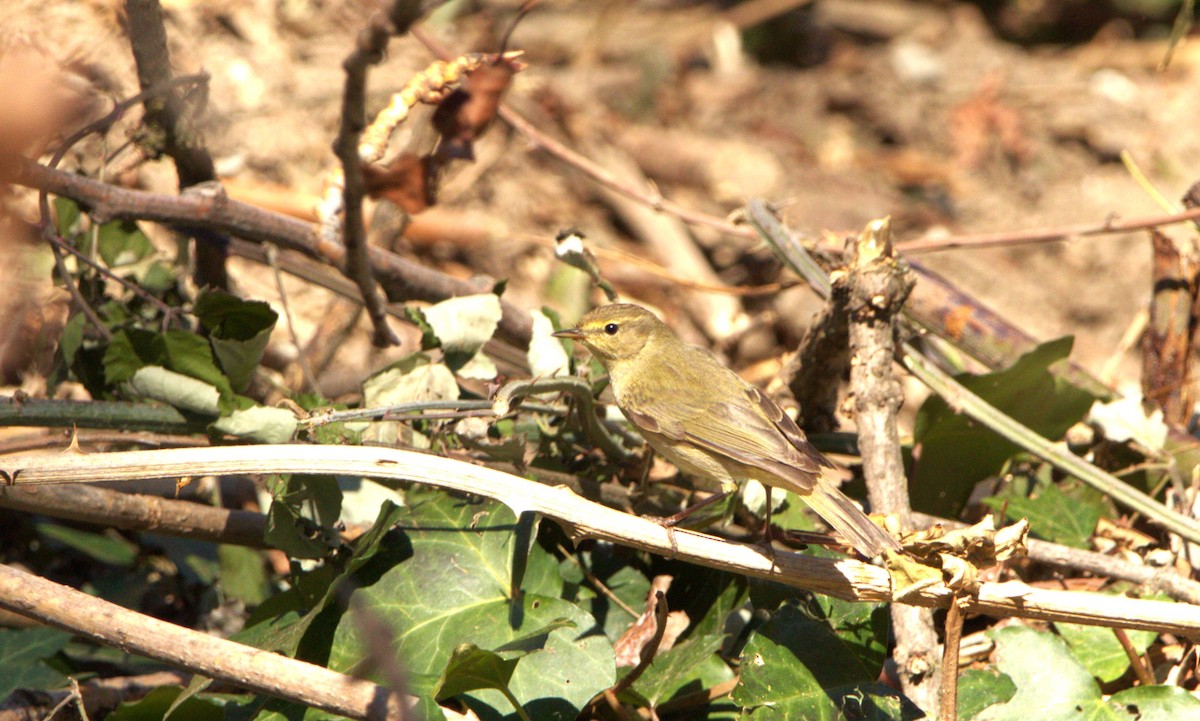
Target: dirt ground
914, 109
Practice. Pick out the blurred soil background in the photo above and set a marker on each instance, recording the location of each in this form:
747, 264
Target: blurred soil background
952, 117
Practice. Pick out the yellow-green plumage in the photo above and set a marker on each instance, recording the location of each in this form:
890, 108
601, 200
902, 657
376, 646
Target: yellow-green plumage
709, 422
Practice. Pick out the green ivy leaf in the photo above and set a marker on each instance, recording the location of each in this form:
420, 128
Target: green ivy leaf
979, 688
110, 547
1054, 515
122, 242
471, 668
1051, 683
243, 575
1098, 649
302, 514
1157, 703
22, 656
794, 667
239, 331
686, 666
456, 587
955, 452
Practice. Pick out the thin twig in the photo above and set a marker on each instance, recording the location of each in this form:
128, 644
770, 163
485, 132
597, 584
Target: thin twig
402, 279
1144, 676
1044, 235
301, 358
508, 396
370, 47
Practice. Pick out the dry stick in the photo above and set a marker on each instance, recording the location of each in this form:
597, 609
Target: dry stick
875, 288
191, 520
948, 702
138, 512
1144, 675
180, 138
243, 666
402, 279
369, 49
842, 578
1043, 235
301, 358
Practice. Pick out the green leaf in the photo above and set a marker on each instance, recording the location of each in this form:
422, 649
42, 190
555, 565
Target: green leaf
190, 354
158, 383
239, 331
862, 626
980, 688
155, 705
302, 514
110, 547
1053, 515
455, 588
954, 453
463, 324
22, 653
261, 424
796, 668
122, 242
72, 338
1098, 649
416, 316
130, 350
471, 668
66, 215
1157, 703
688, 665
1051, 684
243, 574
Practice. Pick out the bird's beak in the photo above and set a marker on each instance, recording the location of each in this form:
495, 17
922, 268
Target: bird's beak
572, 333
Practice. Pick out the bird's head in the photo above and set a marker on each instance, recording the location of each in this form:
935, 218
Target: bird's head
616, 332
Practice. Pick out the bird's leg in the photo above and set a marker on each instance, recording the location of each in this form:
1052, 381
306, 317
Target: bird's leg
765, 538
674, 519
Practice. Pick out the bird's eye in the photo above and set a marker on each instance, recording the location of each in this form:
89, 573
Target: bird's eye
612, 328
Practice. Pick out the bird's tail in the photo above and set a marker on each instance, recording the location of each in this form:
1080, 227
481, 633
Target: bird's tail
840, 512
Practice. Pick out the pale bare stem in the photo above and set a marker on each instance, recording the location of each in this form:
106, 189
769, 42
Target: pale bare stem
843, 578
309, 376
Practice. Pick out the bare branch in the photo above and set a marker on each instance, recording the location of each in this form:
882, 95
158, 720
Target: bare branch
401, 279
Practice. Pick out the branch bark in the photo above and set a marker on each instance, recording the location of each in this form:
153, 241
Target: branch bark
369, 49
875, 288
401, 279
174, 132
242, 666
841, 578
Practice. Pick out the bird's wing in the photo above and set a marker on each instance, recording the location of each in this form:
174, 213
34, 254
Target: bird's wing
747, 428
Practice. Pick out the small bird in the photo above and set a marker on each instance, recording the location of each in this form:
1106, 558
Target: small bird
712, 424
